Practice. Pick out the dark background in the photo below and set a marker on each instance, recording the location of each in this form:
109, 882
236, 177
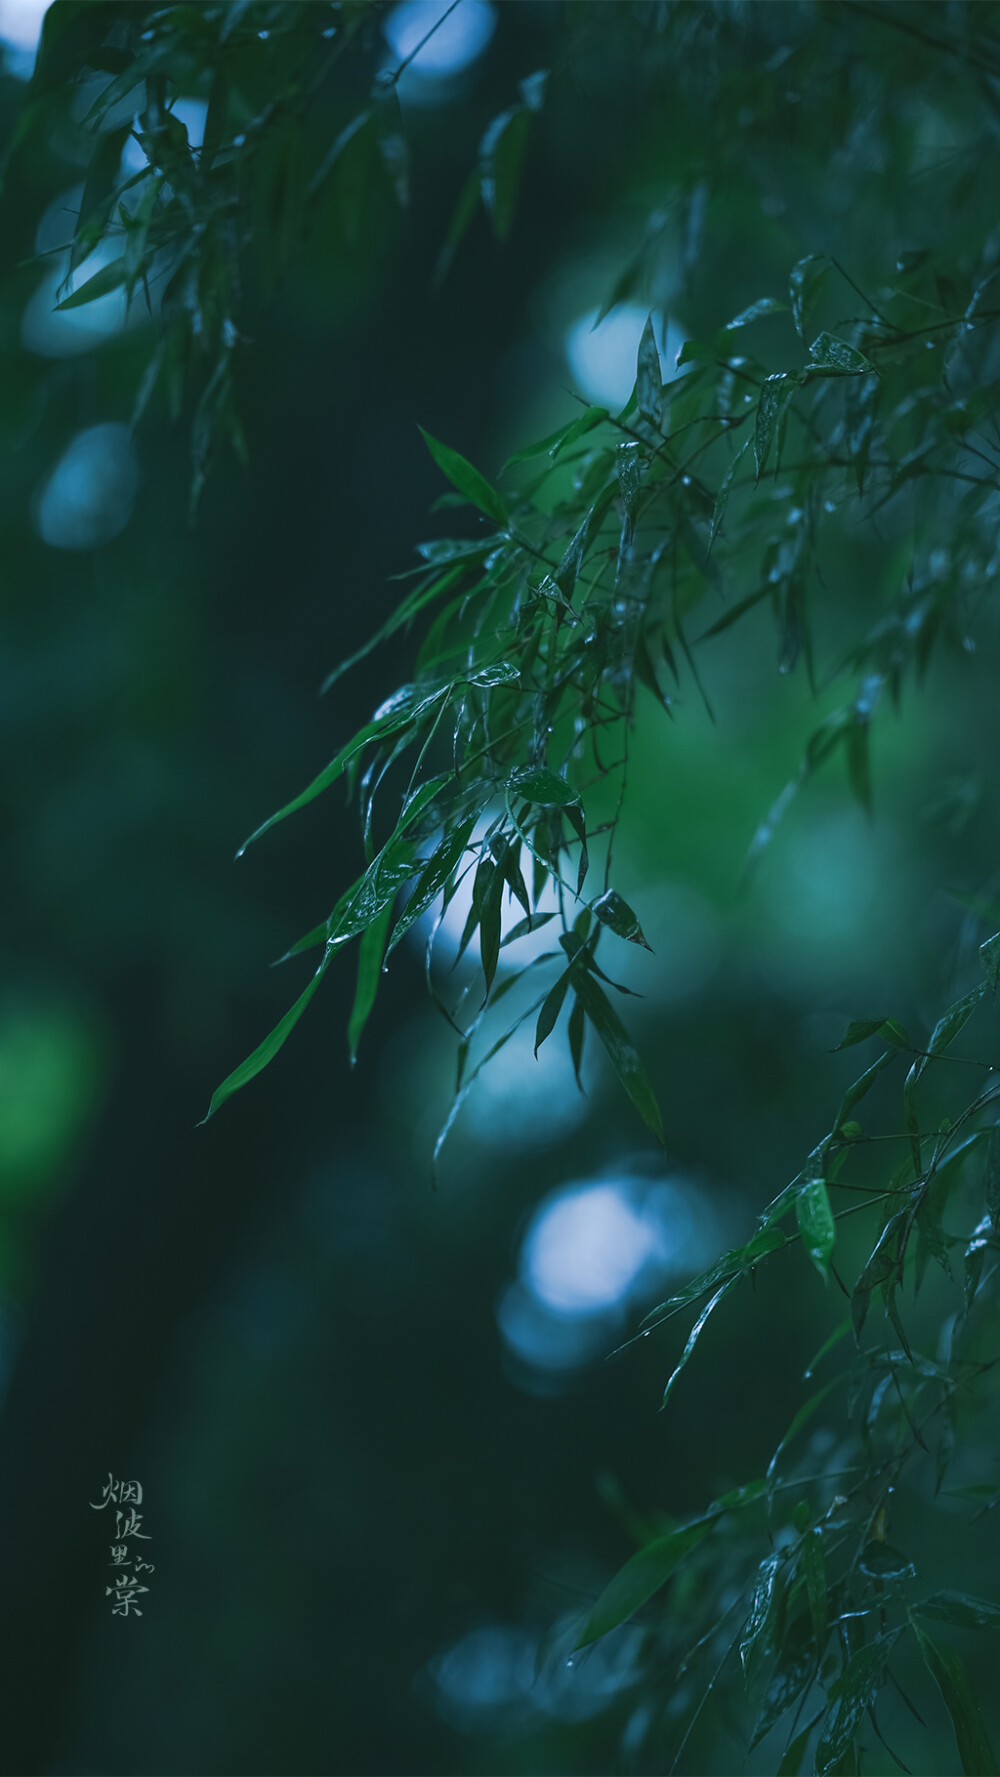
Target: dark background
272, 1320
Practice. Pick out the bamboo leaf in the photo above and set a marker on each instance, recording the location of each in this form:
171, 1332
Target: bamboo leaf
466, 479
622, 1052
641, 1577
950, 1674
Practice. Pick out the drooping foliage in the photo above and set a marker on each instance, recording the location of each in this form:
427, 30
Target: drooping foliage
824, 455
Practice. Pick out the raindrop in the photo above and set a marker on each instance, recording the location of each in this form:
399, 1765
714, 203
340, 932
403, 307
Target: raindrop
828, 506
263, 35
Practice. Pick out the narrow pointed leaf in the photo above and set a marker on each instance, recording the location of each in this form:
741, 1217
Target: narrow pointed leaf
836, 357
615, 912
775, 396
268, 1049
950, 1674
369, 972
961, 1610
851, 1696
816, 1223
621, 1050
648, 380
695, 1335
466, 479
641, 1578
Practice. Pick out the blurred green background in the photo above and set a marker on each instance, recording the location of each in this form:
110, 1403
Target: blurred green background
382, 1447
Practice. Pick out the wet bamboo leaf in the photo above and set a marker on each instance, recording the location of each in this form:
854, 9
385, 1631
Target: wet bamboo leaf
805, 282
621, 1051
816, 1223
577, 1034
533, 923
880, 1561
466, 479
627, 465
792, 1677
975, 1253
268, 1049
551, 1007
110, 277
615, 912
648, 380
990, 954
501, 156
490, 926
432, 880
881, 1266
405, 710
695, 1335
802, 1417
539, 785
641, 1578
958, 1608
860, 1029
993, 1178
755, 1640
719, 511
775, 396
369, 971
835, 357
791, 1763
950, 1675
813, 1564
851, 1695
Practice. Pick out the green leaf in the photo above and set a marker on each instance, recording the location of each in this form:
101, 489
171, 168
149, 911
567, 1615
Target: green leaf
775, 396
835, 357
990, 954
791, 1763
648, 380
615, 912
432, 880
623, 1055
110, 277
767, 305
695, 1335
801, 1418
816, 1223
813, 1565
369, 970
584, 423
792, 1677
501, 155
268, 1049
466, 479
405, 709
755, 1640
465, 209
490, 926
577, 1034
718, 514
539, 785
881, 1561
860, 1029
804, 284
551, 1008
642, 1577
960, 1609
627, 465
851, 1695
949, 1673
